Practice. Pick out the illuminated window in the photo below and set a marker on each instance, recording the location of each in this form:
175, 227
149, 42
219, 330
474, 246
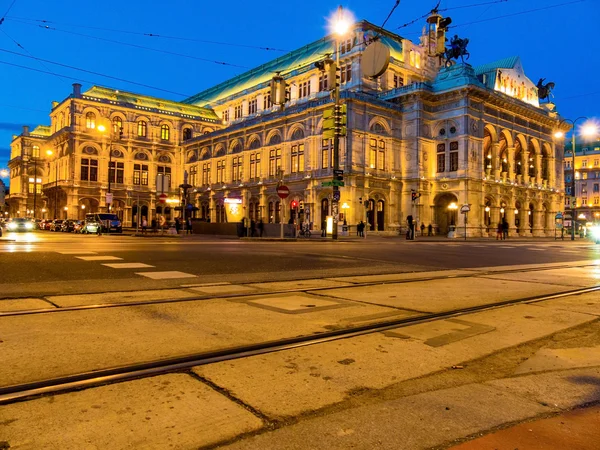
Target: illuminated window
584, 163
165, 132
90, 120
117, 126
221, 171
206, 174
35, 151
584, 175
193, 175
237, 168
596, 200
140, 174
377, 154
254, 165
142, 129
274, 161
297, 158
411, 58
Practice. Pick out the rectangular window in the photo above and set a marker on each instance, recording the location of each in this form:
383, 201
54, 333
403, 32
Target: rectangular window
372, 153
164, 172
267, 100
596, 187
345, 46
140, 174
297, 158
237, 168
206, 173
226, 115
165, 132
193, 175
584, 163
238, 111
398, 80
115, 172
453, 156
221, 171
584, 201
441, 158
255, 165
35, 151
346, 73
323, 83
596, 162
584, 174
381, 155
89, 169
142, 129
327, 153
274, 162
304, 89
252, 106
596, 200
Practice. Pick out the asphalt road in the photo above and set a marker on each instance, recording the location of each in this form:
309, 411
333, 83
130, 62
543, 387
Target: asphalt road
36, 257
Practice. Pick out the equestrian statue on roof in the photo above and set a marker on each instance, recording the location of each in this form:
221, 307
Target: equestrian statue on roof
458, 47
545, 90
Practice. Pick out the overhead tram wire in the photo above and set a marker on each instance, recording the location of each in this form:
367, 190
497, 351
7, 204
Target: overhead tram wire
94, 73
7, 11
136, 33
223, 63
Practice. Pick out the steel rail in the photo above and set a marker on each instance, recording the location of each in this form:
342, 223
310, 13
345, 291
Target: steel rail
84, 380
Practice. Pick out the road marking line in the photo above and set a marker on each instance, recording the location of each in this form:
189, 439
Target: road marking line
223, 283
78, 253
128, 265
100, 258
505, 246
165, 275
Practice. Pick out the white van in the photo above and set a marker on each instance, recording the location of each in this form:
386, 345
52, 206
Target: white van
108, 221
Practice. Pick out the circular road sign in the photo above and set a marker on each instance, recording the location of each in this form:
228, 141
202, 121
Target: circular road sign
283, 191
162, 198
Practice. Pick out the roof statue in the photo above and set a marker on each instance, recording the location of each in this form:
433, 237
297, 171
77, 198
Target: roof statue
544, 90
458, 47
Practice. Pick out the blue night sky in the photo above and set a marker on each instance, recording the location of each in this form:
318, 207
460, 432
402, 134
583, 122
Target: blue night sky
556, 40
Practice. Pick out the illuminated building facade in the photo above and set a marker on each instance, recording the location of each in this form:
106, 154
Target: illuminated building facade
421, 138
587, 180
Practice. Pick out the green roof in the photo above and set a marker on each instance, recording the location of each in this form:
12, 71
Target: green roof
150, 103
41, 130
505, 63
291, 63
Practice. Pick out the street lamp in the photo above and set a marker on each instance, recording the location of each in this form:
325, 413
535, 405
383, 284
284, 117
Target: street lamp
103, 129
340, 26
589, 129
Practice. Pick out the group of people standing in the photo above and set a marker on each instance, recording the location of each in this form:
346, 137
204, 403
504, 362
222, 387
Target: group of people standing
502, 230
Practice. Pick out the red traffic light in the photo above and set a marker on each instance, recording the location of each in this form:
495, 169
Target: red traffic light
294, 204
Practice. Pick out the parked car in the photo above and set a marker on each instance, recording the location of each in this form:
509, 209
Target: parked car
77, 226
20, 224
67, 226
109, 221
56, 224
89, 226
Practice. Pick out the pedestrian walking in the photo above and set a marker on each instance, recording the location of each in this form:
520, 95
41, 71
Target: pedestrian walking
422, 229
261, 226
504, 229
429, 230
252, 228
499, 231
323, 225
189, 225
177, 225
144, 225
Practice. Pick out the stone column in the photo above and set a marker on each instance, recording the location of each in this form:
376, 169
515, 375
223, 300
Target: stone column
510, 176
538, 169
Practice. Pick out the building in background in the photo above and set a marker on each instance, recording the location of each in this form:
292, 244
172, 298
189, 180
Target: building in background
422, 140
587, 180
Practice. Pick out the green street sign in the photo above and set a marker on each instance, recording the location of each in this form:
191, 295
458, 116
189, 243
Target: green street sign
327, 183
333, 183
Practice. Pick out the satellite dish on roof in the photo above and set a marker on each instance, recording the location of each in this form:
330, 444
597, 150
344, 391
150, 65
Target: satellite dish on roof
375, 59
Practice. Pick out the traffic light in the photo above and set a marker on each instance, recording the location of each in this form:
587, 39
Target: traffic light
414, 196
294, 204
334, 121
301, 205
332, 75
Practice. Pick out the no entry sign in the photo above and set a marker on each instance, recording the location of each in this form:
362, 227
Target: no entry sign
162, 198
283, 191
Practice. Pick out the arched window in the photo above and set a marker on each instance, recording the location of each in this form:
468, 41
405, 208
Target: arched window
487, 150
378, 128
187, 134
297, 134
532, 170
518, 158
142, 128
90, 120
35, 152
236, 147
275, 139
503, 153
255, 144
165, 132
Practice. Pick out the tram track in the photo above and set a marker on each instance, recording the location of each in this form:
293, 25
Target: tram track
89, 379
240, 295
